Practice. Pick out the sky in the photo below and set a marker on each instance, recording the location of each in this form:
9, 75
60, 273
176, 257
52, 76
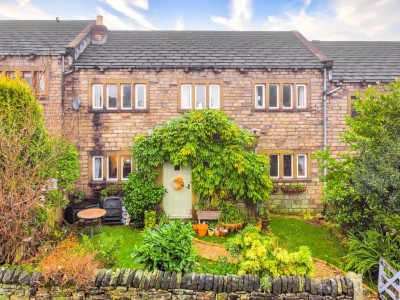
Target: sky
315, 19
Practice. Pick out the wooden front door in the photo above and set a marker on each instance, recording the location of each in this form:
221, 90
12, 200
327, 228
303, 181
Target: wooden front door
177, 204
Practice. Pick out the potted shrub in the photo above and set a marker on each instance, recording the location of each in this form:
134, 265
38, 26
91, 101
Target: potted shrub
255, 222
211, 229
231, 217
263, 213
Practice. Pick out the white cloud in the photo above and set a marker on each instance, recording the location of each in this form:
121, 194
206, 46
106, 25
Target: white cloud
114, 22
22, 9
343, 20
241, 12
180, 25
127, 7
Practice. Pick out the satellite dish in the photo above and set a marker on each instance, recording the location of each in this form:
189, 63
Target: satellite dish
76, 103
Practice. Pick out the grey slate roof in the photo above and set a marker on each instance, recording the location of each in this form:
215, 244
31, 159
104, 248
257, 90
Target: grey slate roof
363, 61
37, 37
199, 49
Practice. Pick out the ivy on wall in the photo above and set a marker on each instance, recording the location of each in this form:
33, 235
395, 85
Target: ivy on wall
224, 165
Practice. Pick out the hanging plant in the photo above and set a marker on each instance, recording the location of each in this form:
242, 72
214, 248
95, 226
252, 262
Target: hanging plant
178, 183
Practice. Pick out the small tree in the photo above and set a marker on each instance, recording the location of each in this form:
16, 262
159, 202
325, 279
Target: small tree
29, 157
364, 188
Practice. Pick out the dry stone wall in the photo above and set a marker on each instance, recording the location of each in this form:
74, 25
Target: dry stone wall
17, 283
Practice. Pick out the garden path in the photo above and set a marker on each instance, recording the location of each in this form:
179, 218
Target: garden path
212, 250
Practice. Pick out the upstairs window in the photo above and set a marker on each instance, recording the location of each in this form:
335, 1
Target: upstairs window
281, 94
140, 96
126, 94
260, 96
36, 79
200, 94
97, 96
112, 96
120, 95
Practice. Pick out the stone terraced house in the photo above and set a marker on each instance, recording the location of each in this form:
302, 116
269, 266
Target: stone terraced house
106, 86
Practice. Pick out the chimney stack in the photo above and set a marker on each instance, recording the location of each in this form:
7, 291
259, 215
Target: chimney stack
99, 32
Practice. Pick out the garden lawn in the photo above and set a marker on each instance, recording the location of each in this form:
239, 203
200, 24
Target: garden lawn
293, 232
128, 237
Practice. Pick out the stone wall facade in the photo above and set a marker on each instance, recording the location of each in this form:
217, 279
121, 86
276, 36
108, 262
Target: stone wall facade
104, 131
16, 283
51, 99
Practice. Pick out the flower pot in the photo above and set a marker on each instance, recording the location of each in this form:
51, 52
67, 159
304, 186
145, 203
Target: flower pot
223, 232
265, 224
216, 231
233, 227
195, 227
202, 229
211, 231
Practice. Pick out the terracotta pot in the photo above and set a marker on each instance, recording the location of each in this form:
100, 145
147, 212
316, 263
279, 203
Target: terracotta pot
216, 231
223, 232
233, 227
195, 227
211, 231
202, 229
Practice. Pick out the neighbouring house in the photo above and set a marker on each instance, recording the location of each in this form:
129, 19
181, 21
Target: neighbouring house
106, 86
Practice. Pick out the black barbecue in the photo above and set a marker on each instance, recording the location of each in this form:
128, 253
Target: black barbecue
113, 207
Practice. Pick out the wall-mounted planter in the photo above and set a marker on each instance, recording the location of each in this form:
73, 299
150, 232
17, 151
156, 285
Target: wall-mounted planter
275, 189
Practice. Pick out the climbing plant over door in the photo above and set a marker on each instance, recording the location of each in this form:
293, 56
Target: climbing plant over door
223, 163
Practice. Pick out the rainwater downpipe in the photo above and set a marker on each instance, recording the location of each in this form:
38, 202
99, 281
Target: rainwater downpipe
324, 113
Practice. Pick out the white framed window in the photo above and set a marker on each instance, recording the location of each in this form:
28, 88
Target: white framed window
287, 166
126, 95
112, 96
27, 77
274, 165
140, 96
97, 168
41, 83
186, 96
126, 166
112, 167
273, 95
287, 96
97, 96
301, 165
301, 95
214, 96
260, 96
200, 96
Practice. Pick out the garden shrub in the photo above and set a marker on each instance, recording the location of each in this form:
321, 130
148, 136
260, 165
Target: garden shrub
167, 248
29, 158
150, 219
368, 247
220, 267
141, 194
69, 265
231, 214
260, 254
362, 189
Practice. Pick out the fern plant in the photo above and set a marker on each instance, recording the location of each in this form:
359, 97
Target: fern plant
366, 250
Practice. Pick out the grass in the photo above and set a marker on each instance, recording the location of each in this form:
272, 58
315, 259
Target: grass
129, 237
293, 232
